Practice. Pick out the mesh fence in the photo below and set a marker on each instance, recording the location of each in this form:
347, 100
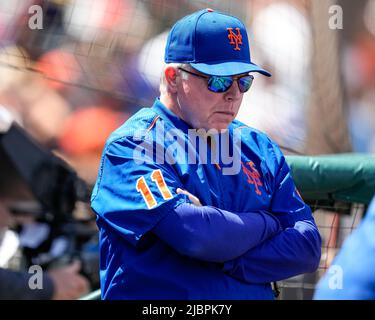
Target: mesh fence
336, 221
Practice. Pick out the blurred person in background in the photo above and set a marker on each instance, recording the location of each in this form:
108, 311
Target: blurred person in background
359, 71
83, 136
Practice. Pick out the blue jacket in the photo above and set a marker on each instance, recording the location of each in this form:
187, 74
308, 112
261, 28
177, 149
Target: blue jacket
252, 229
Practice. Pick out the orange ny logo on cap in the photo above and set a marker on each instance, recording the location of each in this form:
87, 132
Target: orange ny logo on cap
235, 38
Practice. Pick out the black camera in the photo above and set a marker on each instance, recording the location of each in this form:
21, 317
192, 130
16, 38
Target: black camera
38, 184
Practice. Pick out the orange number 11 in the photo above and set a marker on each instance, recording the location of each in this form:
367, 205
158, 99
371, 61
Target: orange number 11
146, 193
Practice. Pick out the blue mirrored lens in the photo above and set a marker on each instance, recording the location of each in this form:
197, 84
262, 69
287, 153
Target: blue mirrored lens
244, 83
219, 84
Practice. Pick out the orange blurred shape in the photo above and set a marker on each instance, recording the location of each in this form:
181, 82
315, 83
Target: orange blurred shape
365, 56
59, 67
86, 130
114, 12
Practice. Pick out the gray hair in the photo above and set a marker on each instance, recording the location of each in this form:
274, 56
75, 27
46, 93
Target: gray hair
163, 80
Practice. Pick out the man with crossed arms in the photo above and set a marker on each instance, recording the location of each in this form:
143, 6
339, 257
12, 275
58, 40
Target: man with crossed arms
178, 230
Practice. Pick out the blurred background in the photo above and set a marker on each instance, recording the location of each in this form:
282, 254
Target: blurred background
96, 62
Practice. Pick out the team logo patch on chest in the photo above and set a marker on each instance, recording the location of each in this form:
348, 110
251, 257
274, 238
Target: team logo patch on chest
253, 176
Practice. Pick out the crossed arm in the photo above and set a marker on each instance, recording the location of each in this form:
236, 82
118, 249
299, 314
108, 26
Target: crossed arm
211, 234
255, 247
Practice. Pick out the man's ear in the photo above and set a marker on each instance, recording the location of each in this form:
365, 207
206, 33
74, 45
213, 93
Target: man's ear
171, 76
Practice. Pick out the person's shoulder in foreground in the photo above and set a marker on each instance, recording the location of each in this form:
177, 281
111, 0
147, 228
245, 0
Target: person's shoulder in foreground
351, 275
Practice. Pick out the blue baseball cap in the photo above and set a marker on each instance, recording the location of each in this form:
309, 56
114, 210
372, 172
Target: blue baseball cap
213, 43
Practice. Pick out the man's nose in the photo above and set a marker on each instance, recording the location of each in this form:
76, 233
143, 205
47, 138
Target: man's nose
233, 93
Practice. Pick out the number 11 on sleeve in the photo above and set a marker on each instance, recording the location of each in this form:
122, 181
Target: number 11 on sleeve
144, 190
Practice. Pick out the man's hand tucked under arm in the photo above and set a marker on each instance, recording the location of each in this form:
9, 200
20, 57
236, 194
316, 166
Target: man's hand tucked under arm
192, 198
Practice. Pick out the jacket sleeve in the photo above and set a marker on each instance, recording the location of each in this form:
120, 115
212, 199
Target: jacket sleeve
294, 250
211, 234
132, 195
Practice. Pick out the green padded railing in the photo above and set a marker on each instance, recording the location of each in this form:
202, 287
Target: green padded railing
346, 177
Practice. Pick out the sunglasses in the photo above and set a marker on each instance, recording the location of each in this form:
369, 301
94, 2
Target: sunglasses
220, 84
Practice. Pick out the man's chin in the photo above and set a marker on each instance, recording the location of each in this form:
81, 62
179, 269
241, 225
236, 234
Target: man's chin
220, 126
217, 126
